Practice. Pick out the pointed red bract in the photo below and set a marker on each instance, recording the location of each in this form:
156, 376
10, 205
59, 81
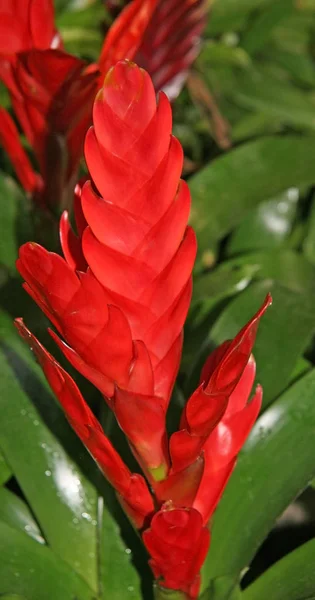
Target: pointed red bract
178, 544
131, 488
126, 33
10, 140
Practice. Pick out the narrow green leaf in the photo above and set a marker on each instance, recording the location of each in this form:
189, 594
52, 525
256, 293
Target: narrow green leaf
5, 471
14, 214
35, 572
63, 501
227, 15
268, 226
259, 90
224, 191
309, 241
285, 266
14, 512
277, 463
223, 588
283, 334
119, 579
292, 578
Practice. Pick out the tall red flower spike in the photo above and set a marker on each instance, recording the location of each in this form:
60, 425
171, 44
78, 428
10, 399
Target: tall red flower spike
119, 299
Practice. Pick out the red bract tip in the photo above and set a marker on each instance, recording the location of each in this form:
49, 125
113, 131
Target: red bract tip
178, 543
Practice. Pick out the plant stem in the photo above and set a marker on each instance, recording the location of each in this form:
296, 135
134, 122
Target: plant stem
161, 593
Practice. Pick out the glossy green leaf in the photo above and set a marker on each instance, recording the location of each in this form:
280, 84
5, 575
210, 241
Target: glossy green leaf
276, 464
284, 333
292, 578
269, 225
35, 572
63, 501
287, 267
14, 512
5, 471
224, 191
119, 578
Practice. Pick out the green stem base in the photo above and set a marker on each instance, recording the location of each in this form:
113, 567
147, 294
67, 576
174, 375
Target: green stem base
161, 593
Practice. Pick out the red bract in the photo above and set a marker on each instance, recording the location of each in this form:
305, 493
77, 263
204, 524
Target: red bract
119, 299
131, 488
178, 543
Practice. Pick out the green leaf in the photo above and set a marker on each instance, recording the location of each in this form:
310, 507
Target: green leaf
258, 90
228, 15
14, 214
34, 571
224, 191
309, 241
277, 463
222, 588
5, 471
292, 578
287, 267
261, 28
12, 597
269, 225
119, 578
284, 333
14, 512
63, 501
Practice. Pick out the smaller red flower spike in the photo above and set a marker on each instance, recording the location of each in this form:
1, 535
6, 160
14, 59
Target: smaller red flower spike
207, 405
178, 543
52, 95
204, 451
26, 24
131, 488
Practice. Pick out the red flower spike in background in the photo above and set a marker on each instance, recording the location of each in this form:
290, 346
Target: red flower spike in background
119, 300
171, 41
52, 92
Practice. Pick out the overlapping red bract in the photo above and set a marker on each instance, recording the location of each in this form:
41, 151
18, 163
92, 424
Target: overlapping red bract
119, 300
52, 92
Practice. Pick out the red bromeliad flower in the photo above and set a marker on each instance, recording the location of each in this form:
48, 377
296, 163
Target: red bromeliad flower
119, 299
52, 92
171, 41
